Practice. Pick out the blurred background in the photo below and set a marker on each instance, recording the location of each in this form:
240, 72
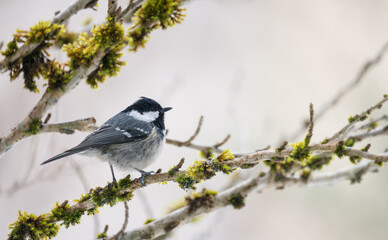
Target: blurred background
251, 68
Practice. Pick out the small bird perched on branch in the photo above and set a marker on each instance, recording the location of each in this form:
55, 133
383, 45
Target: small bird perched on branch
132, 139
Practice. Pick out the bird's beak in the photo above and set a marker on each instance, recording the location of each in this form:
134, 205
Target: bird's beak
166, 109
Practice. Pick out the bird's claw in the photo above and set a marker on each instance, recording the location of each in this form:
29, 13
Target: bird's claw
143, 175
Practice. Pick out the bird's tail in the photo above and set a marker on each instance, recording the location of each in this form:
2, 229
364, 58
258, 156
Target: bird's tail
62, 155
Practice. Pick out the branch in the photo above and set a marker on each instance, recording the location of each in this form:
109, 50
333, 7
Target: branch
120, 233
83, 125
367, 67
183, 215
63, 15
369, 134
354, 119
251, 158
188, 143
48, 100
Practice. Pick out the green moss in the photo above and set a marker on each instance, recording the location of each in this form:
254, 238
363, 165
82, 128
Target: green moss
366, 148
325, 141
152, 15
109, 195
33, 64
125, 183
372, 126
108, 36
92, 211
42, 31
83, 198
248, 165
280, 168
110, 66
225, 156
206, 154
34, 127
62, 213
210, 192
11, 49
305, 174
65, 37
379, 163
201, 170
149, 220
172, 171
186, 182
340, 149
318, 161
206, 199
56, 75
262, 174
353, 118
30, 226
236, 200
301, 151
350, 142
102, 235
355, 159
364, 117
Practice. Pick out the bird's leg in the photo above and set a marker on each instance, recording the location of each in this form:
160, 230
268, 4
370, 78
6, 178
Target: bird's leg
143, 175
113, 174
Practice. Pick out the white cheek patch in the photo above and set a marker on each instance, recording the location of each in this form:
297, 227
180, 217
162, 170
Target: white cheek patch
147, 116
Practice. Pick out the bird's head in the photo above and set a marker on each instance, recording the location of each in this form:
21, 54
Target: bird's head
148, 110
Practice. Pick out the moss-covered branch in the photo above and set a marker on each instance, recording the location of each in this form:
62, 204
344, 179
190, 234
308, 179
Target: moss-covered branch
235, 197
92, 56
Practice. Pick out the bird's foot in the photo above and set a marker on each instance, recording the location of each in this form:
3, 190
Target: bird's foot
143, 175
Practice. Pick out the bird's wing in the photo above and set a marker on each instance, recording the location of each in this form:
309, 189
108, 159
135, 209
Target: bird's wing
121, 130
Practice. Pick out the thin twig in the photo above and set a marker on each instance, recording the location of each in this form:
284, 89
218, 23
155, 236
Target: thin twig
112, 7
356, 119
188, 141
311, 123
367, 67
368, 134
120, 233
217, 145
128, 13
372, 122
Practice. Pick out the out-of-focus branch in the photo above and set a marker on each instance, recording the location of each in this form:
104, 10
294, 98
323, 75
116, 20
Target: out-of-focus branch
368, 134
354, 119
367, 67
120, 233
183, 215
63, 15
372, 122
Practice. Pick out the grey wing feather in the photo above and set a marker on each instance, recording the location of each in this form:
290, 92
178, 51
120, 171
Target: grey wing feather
116, 130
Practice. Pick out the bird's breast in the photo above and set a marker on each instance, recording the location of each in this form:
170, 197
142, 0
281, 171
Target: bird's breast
136, 154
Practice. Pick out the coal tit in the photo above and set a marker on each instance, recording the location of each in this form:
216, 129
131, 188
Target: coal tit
132, 139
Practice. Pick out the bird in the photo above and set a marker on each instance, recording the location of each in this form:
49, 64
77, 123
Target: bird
130, 140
